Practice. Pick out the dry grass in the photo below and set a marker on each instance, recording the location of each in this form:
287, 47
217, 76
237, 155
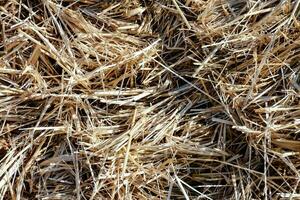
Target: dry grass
159, 99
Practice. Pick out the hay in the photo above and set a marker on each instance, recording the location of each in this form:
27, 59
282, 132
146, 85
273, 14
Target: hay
162, 99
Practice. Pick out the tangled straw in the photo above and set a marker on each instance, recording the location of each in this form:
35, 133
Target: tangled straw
138, 99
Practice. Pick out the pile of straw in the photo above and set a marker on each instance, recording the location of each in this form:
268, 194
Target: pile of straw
149, 99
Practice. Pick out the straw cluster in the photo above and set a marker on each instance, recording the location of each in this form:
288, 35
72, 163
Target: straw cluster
159, 99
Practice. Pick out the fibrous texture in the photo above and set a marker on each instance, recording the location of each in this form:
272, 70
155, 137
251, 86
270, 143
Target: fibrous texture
140, 99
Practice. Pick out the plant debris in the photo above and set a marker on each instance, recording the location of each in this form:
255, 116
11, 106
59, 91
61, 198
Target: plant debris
160, 99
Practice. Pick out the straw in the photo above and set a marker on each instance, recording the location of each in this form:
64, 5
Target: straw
162, 99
